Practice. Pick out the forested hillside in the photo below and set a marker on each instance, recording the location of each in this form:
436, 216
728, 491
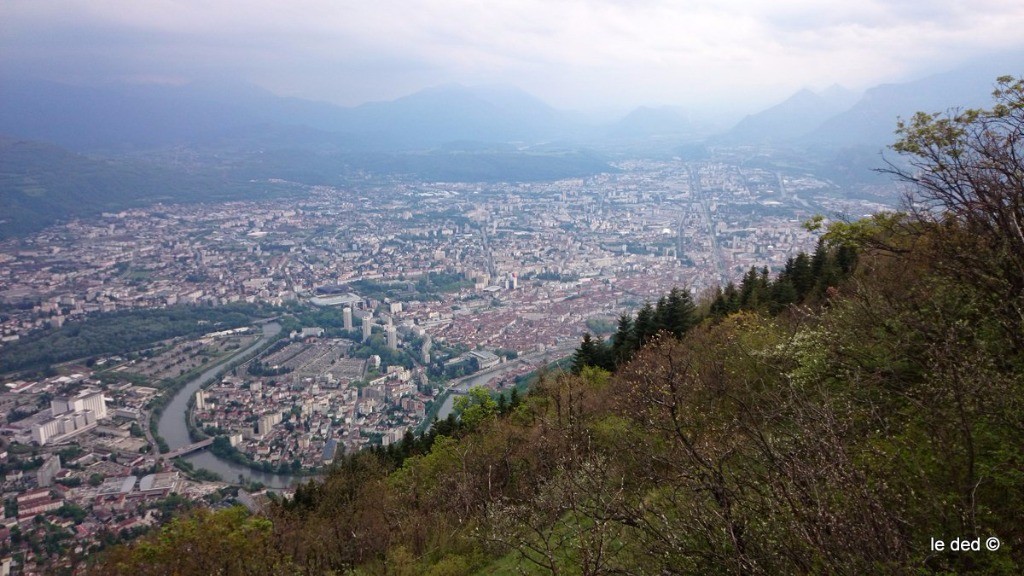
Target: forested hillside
41, 184
839, 426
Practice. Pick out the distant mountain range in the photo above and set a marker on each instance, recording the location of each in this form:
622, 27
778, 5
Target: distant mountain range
117, 119
835, 118
657, 122
73, 150
137, 117
68, 151
122, 118
872, 119
796, 116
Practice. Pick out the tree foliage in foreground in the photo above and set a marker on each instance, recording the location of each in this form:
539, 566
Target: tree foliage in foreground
228, 542
967, 177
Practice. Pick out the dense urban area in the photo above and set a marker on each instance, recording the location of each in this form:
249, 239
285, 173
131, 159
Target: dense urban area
332, 320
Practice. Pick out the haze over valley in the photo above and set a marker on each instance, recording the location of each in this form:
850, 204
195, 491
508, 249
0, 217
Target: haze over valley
545, 288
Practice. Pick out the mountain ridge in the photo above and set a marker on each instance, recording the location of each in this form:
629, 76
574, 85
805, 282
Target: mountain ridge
792, 118
119, 118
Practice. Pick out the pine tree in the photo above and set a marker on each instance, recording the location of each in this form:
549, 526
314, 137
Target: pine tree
800, 275
732, 298
751, 290
661, 315
825, 269
645, 326
846, 258
408, 443
624, 341
603, 357
680, 312
586, 354
782, 295
719, 308
819, 261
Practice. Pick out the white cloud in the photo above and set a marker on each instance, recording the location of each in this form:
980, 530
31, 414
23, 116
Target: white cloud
573, 53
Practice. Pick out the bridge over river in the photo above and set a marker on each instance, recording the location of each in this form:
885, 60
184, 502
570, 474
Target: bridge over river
187, 449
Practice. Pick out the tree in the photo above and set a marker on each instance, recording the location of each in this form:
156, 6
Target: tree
680, 313
513, 399
476, 407
624, 341
753, 289
726, 301
229, 542
782, 295
661, 320
966, 170
586, 354
800, 273
646, 325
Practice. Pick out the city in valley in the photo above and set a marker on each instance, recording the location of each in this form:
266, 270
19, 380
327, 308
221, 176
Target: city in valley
299, 329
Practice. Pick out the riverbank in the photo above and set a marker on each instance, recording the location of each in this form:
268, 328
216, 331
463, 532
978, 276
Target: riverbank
173, 428
170, 392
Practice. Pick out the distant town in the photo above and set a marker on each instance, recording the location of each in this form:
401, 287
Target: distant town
391, 297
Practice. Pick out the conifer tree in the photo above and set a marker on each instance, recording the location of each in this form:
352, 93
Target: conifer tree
731, 297
718, 305
645, 326
603, 357
680, 312
819, 261
799, 273
586, 354
751, 289
846, 258
661, 315
782, 295
624, 341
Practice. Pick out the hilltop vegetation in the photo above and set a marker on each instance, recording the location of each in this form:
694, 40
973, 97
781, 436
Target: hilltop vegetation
841, 432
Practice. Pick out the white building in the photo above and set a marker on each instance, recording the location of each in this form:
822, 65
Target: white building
63, 427
71, 416
267, 422
87, 399
48, 471
392, 337
367, 326
427, 342
485, 359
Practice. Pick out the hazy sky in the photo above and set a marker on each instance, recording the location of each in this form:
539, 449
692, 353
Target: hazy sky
585, 54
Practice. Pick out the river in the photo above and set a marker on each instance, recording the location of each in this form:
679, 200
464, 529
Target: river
464, 384
172, 428
537, 359
174, 431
